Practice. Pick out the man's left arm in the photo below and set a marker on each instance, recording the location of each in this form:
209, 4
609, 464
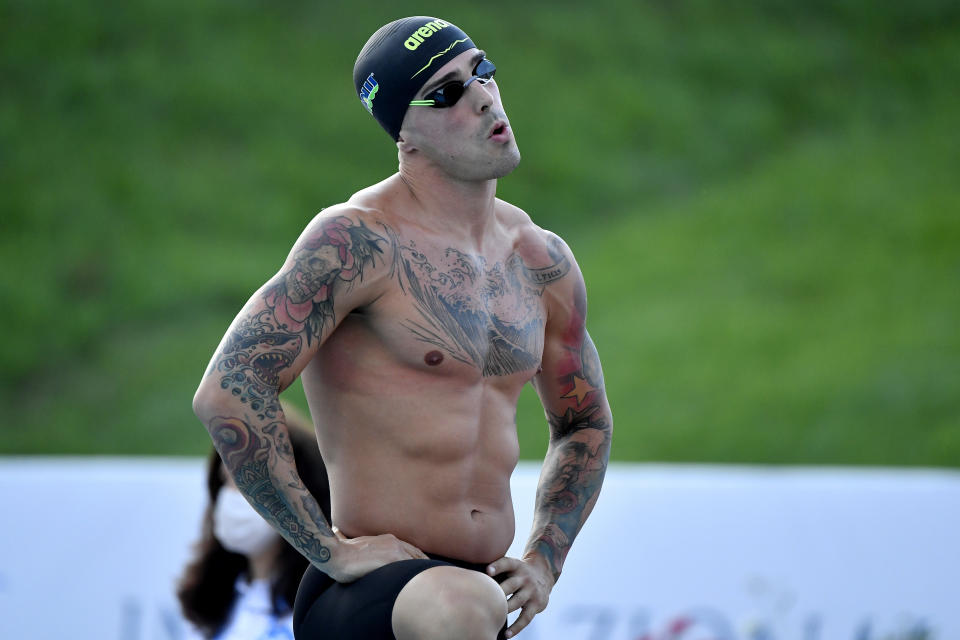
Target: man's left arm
571, 389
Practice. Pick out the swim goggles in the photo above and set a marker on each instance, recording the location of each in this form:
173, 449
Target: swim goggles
451, 92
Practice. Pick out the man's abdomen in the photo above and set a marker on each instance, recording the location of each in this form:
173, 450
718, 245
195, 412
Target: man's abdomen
459, 513
422, 452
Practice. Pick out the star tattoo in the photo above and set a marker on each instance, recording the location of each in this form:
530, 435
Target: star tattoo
581, 388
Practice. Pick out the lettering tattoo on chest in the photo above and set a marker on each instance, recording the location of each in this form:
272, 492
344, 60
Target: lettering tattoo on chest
486, 316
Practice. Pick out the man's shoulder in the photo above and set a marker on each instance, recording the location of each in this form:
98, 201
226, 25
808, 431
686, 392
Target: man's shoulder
344, 226
532, 242
350, 238
549, 262
513, 216
344, 213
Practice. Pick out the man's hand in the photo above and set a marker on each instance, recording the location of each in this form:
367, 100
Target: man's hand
356, 557
527, 585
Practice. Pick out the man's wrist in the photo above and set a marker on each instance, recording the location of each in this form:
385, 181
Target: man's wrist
334, 565
534, 557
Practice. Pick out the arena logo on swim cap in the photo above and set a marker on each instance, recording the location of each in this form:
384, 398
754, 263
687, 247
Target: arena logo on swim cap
416, 38
368, 92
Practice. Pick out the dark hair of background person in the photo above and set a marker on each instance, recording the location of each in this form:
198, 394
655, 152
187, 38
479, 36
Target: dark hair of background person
206, 589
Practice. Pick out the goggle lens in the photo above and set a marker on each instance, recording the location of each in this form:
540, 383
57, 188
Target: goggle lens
450, 93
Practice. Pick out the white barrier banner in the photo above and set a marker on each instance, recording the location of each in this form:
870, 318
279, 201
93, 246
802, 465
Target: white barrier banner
91, 548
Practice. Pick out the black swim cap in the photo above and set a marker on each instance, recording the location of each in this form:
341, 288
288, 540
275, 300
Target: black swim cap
398, 59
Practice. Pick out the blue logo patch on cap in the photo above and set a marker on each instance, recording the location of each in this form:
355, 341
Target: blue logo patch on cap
368, 92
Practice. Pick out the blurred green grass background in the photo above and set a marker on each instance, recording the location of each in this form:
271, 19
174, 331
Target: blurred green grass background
762, 195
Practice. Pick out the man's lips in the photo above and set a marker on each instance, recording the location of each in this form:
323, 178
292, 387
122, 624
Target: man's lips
499, 130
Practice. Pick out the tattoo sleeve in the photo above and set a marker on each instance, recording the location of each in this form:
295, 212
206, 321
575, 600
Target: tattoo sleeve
266, 347
581, 427
263, 467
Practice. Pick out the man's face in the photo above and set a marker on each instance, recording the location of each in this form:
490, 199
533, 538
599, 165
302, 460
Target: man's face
472, 140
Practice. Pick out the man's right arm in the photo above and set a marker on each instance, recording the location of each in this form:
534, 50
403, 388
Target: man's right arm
334, 267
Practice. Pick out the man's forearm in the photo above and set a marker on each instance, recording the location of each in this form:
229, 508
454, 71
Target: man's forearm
242, 412
262, 464
570, 483
240, 406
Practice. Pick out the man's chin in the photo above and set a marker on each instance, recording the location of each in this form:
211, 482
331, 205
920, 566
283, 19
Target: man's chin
507, 165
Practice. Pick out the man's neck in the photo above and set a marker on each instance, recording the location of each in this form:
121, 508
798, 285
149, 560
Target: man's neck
462, 209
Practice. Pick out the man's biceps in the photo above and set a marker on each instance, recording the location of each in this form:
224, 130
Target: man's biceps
558, 352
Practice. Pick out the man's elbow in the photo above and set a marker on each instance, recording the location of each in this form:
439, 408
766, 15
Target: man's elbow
206, 401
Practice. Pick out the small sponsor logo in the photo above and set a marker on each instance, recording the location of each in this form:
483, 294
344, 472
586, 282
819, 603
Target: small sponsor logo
417, 37
368, 92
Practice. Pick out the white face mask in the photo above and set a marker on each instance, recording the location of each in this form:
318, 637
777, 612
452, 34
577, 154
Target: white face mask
238, 527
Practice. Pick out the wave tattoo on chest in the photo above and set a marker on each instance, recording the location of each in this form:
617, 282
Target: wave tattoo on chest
486, 316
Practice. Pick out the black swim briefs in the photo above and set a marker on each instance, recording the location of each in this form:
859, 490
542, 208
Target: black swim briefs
363, 609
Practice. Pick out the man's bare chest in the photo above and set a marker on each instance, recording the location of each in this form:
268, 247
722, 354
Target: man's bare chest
487, 313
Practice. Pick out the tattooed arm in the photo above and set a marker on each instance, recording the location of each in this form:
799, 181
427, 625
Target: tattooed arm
335, 266
570, 386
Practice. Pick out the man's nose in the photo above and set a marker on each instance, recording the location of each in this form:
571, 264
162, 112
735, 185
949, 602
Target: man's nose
482, 97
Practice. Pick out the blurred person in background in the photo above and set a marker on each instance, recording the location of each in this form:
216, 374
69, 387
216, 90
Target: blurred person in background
415, 313
242, 580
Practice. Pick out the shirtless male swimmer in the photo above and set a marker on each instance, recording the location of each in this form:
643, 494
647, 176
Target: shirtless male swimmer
415, 313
